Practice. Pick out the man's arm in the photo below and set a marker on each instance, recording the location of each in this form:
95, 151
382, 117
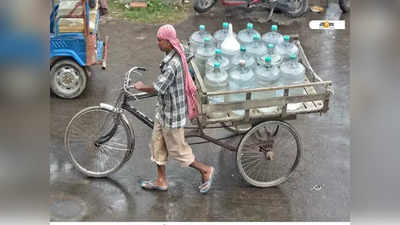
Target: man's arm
161, 85
140, 86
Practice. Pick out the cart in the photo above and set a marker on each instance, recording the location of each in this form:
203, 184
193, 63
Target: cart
75, 45
100, 139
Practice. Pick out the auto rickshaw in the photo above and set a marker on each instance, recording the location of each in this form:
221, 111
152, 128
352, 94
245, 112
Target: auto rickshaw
75, 45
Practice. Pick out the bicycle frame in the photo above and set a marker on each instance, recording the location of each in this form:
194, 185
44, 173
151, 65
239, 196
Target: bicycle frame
126, 106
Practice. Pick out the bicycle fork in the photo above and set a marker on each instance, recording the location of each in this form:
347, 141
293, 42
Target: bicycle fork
117, 120
116, 116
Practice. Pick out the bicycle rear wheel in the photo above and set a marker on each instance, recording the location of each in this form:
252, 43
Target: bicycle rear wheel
99, 141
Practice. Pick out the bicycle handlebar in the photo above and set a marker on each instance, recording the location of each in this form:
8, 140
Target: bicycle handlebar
141, 69
134, 69
128, 80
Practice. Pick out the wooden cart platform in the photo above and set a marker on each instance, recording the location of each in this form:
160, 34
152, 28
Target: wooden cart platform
315, 100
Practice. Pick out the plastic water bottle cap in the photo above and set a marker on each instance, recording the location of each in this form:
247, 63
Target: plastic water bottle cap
249, 26
217, 65
270, 45
268, 59
293, 56
242, 63
202, 27
207, 39
225, 25
218, 51
286, 37
256, 37
274, 28
242, 49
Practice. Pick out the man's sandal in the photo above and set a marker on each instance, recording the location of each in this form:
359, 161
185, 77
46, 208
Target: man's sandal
149, 185
205, 187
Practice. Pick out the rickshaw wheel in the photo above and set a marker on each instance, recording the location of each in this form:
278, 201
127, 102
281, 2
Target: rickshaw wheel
68, 79
269, 153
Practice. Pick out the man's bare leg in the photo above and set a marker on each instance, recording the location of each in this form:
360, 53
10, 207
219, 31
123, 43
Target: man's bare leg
203, 169
161, 176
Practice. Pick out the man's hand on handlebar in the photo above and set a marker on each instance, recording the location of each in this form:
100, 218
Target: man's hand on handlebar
139, 85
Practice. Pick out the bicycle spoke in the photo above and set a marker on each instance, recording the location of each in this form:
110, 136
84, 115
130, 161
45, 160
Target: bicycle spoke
80, 140
253, 145
254, 169
280, 138
250, 157
101, 156
117, 144
257, 173
249, 164
262, 169
111, 158
103, 126
114, 148
251, 153
79, 131
265, 172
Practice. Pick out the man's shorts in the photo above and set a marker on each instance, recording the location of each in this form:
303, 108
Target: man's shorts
170, 142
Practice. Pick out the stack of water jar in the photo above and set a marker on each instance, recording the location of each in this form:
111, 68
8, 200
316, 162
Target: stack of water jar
246, 60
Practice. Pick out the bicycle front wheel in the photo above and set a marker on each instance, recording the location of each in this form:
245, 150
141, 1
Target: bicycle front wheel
99, 141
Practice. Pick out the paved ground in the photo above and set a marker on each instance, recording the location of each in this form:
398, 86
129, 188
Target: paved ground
326, 139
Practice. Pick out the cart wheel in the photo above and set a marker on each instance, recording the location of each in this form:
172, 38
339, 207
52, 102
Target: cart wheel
68, 79
99, 141
269, 153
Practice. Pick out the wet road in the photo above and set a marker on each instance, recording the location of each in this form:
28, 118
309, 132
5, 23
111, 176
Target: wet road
326, 140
